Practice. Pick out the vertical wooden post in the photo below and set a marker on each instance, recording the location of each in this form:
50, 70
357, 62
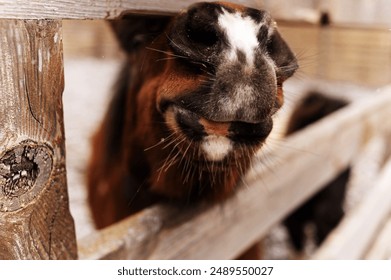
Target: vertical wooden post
35, 222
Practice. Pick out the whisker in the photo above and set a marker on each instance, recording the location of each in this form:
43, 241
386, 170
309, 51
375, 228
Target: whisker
162, 140
171, 142
169, 158
172, 161
166, 52
166, 58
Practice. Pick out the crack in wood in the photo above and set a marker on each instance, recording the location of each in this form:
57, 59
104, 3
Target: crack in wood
30, 107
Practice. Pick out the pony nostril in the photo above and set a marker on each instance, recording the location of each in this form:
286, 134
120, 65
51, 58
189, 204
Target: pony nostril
195, 35
202, 35
200, 26
250, 133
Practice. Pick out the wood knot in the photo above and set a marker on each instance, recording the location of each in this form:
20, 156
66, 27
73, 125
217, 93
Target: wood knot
24, 171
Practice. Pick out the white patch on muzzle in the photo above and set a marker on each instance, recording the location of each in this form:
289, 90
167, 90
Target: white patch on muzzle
216, 147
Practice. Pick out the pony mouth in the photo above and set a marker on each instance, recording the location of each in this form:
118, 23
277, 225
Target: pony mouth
209, 141
196, 127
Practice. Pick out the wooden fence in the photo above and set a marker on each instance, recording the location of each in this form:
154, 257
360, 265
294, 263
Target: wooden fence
35, 222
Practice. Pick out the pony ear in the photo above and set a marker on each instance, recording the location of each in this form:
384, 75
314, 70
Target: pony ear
136, 31
282, 55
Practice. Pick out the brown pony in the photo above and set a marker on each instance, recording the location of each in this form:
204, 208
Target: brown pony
193, 104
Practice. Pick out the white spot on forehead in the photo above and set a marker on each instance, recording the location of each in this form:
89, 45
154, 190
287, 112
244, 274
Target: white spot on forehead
216, 147
241, 34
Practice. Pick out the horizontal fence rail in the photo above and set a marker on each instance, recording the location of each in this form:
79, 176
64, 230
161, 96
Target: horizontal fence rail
346, 12
270, 191
97, 9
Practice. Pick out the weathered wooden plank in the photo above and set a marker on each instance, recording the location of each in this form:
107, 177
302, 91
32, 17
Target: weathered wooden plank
366, 170
341, 12
381, 249
310, 158
97, 9
35, 222
356, 232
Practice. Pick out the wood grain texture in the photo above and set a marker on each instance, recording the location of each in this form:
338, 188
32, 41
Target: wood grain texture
97, 9
289, 175
35, 222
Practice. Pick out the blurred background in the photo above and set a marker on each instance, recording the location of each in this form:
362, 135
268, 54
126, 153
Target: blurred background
343, 47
